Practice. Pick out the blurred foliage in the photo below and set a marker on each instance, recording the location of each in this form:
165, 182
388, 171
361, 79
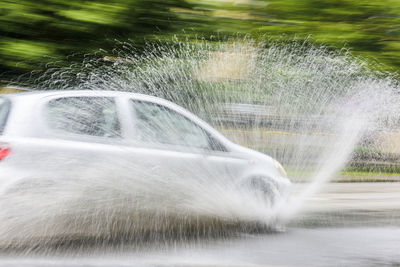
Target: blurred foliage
370, 28
36, 32
39, 31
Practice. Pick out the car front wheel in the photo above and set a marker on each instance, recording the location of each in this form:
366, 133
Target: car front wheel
264, 188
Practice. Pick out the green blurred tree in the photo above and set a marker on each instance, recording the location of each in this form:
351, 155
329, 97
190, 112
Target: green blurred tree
33, 32
39, 31
370, 28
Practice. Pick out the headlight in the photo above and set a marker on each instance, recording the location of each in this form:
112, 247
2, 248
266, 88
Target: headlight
280, 169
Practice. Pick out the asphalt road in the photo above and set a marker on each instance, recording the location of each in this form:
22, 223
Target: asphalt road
351, 204
355, 196
346, 224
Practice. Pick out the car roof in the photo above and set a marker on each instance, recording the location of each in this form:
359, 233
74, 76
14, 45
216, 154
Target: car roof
98, 93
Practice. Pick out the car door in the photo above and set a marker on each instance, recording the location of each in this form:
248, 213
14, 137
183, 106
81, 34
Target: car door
171, 145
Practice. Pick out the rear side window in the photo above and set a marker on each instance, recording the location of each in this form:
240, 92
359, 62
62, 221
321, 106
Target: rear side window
4, 110
93, 116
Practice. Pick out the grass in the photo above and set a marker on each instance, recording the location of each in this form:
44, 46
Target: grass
360, 176
347, 176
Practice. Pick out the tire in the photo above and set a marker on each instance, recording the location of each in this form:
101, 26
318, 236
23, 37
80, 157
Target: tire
264, 187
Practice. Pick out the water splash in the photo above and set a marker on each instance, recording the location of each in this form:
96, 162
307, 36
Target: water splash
129, 205
304, 105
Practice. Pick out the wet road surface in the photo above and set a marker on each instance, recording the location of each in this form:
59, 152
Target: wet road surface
346, 224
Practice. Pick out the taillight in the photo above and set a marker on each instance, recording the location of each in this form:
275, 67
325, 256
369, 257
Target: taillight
4, 151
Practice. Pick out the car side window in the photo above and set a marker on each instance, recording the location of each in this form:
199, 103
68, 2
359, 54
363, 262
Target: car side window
92, 116
158, 124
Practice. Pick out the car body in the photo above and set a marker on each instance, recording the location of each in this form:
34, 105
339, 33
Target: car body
46, 133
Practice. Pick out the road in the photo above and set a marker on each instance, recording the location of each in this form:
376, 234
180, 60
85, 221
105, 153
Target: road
346, 224
352, 204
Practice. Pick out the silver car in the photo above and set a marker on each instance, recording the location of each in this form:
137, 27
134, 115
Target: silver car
49, 133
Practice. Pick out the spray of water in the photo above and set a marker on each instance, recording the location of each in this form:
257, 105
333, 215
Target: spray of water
102, 206
304, 105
